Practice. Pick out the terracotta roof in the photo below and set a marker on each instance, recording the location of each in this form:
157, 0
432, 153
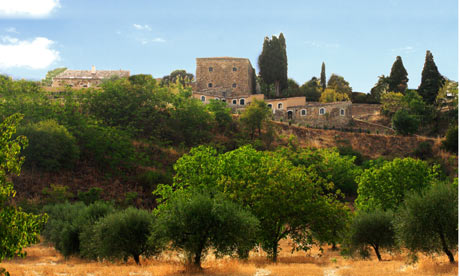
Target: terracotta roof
87, 74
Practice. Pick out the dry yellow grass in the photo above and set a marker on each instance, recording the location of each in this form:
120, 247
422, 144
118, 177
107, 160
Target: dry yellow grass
45, 261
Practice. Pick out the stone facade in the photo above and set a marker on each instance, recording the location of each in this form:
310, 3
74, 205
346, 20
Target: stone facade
86, 78
315, 114
224, 77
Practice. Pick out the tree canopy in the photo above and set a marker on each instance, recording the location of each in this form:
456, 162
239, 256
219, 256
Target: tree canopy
273, 63
339, 84
323, 76
432, 80
397, 81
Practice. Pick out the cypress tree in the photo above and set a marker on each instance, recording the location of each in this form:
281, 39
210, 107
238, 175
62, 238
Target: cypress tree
431, 80
323, 76
398, 77
273, 63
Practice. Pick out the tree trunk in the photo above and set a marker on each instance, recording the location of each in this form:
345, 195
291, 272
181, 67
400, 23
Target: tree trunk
376, 249
277, 88
445, 248
275, 251
334, 246
136, 258
197, 260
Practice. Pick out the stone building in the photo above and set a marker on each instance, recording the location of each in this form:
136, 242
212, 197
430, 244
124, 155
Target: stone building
86, 78
232, 80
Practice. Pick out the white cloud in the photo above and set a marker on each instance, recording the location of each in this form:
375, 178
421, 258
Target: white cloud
406, 50
158, 39
11, 30
142, 27
321, 44
27, 8
34, 54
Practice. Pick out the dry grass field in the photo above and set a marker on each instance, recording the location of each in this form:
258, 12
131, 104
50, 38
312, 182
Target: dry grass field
45, 261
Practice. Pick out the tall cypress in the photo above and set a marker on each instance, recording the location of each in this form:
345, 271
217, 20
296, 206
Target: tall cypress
273, 63
398, 77
323, 76
431, 80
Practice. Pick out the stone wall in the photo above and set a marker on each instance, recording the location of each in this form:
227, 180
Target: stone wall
232, 75
364, 110
284, 103
80, 83
235, 101
336, 114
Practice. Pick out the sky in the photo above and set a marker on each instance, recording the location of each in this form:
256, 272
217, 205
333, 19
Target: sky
357, 39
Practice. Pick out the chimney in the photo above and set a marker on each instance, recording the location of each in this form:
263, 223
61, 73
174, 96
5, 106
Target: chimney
93, 69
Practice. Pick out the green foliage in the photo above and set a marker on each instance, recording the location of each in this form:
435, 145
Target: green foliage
432, 80
330, 95
380, 88
48, 80
90, 196
51, 146
68, 221
428, 222
177, 76
340, 85
391, 102
18, 229
56, 194
451, 141
374, 229
311, 90
285, 199
323, 76
405, 123
108, 148
273, 63
360, 97
424, 150
384, 186
254, 117
292, 90
124, 234
195, 222
397, 80
221, 114
142, 80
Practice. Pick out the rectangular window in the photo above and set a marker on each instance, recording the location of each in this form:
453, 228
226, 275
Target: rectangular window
342, 112
209, 85
234, 85
303, 112
210, 69
234, 69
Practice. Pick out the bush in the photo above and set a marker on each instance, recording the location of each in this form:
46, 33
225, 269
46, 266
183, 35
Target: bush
374, 229
91, 196
51, 146
196, 222
405, 123
383, 186
67, 221
424, 150
56, 194
451, 141
124, 234
428, 222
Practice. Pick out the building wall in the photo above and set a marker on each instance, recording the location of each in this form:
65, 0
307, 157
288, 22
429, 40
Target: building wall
247, 99
285, 103
222, 77
332, 116
81, 83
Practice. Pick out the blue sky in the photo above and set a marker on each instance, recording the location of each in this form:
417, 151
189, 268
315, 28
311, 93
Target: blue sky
357, 39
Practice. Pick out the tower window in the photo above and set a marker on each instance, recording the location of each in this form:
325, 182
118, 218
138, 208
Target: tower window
209, 84
342, 112
234, 69
234, 85
210, 69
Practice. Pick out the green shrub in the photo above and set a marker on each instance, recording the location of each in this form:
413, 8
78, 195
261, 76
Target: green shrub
56, 194
51, 146
196, 222
374, 229
428, 222
150, 179
451, 141
125, 234
405, 123
91, 196
424, 150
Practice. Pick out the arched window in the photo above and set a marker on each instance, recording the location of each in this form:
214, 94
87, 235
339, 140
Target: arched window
303, 112
280, 105
270, 106
203, 98
322, 111
234, 101
241, 101
289, 114
223, 99
210, 69
234, 85
209, 85
234, 69
342, 112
